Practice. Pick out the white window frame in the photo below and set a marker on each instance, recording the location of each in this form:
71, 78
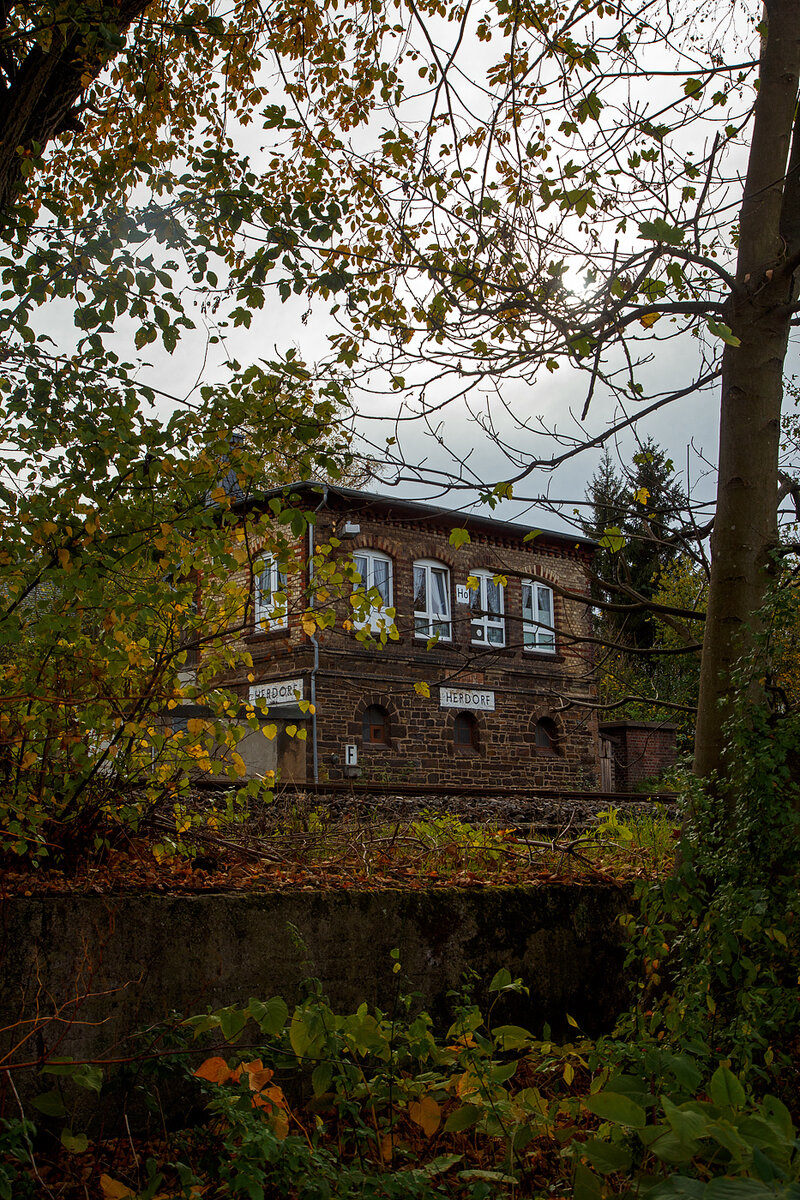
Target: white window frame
485, 623
377, 618
433, 619
538, 633
269, 614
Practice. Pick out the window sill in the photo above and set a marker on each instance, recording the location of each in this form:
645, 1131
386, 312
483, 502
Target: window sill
266, 635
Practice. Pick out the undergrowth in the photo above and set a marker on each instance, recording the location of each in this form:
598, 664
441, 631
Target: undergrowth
692, 1097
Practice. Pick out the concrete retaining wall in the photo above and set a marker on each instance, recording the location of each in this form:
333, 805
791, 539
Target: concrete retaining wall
103, 966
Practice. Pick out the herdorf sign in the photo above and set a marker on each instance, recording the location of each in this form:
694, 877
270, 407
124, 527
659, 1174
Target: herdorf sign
278, 691
451, 697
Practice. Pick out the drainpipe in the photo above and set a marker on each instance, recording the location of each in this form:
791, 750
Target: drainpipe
314, 750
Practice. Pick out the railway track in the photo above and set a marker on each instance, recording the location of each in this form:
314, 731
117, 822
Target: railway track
548, 810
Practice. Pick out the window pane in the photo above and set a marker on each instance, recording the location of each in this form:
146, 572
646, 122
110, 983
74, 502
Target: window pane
420, 590
381, 580
545, 597
527, 603
360, 564
494, 598
440, 605
496, 636
463, 730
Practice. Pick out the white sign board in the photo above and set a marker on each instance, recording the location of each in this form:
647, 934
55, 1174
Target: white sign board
278, 691
477, 698
463, 594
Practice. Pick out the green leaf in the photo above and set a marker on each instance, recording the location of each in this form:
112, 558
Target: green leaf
607, 1157
512, 1037
232, 1021
270, 1015
723, 332
459, 538
621, 1110
50, 1103
503, 979
726, 1091
74, 1143
586, 1185
661, 231
437, 1166
89, 1077
321, 1078
463, 1118
613, 539
726, 1188
693, 88
678, 1187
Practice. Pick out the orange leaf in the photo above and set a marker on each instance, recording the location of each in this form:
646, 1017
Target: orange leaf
215, 1070
258, 1075
426, 1113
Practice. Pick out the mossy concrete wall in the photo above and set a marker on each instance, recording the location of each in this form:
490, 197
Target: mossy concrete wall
89, 970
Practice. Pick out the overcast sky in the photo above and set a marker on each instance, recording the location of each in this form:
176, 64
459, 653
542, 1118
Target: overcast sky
686, 428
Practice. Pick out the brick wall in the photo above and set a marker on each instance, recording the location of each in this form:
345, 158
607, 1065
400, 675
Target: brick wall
640, 750
527, 685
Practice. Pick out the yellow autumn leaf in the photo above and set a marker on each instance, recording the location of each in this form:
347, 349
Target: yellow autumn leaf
309, 624
642, 495
423, 689
649, 319
64, 559
426, 1113
112, 1189
270, 731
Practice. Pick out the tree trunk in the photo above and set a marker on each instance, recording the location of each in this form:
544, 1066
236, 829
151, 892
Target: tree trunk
759, 313
41, 92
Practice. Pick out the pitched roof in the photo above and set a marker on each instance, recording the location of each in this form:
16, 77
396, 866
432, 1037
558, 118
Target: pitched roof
361, 502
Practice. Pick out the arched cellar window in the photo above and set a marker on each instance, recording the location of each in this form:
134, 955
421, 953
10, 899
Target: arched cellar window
376, 726
465, 733
545, 736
